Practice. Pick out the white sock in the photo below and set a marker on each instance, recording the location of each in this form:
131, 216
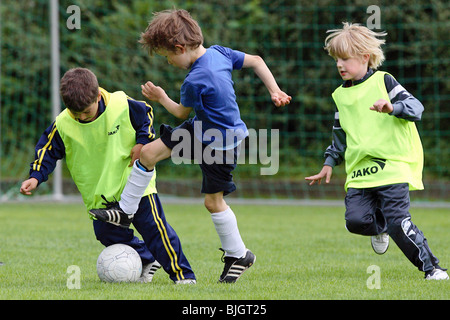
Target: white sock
226, 226
138, 181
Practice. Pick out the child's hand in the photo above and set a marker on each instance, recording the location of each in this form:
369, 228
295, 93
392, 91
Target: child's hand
324, 173
382, 106
280, 98
28, 186
152, 92
135, 153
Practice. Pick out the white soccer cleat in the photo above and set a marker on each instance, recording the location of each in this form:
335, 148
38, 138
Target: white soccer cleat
380, 243
148, 271
186, 281
436, 274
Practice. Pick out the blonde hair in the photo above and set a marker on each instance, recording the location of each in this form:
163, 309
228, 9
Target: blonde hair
355, 40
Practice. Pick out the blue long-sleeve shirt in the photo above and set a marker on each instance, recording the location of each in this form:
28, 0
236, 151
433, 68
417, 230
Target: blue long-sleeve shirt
141, 116
405, 106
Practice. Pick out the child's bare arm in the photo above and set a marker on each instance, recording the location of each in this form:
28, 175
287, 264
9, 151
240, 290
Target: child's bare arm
279, 98
156, 93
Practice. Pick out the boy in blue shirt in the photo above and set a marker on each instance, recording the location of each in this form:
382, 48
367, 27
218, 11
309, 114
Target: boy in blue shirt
217, 125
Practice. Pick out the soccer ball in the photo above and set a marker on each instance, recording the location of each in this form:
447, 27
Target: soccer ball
119, 263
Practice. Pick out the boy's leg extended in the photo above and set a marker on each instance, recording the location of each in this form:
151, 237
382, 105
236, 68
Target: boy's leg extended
121, 213
141, 175
395, 204
109, 234
151, 154
161, 239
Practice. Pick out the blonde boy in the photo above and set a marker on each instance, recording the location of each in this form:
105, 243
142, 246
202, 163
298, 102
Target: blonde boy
374, 132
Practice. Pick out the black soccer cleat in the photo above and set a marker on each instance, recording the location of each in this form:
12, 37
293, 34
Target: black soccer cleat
235, 267
112, 214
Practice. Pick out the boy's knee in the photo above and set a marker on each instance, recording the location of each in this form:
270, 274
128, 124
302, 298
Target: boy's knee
210, 205
358, 225
354, 226
215, 204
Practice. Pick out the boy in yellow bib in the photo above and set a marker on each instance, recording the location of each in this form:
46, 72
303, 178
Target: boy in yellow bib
374, 132
101, 134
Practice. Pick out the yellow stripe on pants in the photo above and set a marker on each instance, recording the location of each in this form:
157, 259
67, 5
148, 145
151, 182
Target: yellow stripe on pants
169, 249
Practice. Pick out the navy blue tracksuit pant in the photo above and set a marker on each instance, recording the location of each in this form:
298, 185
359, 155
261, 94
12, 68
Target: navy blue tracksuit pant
160, 241
372, 211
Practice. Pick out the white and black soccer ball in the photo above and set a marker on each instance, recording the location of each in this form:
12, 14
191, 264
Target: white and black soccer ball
119, 263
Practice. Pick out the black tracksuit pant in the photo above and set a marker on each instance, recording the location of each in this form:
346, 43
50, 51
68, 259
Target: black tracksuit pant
372, 211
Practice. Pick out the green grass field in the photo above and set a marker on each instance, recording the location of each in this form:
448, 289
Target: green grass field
302, 253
